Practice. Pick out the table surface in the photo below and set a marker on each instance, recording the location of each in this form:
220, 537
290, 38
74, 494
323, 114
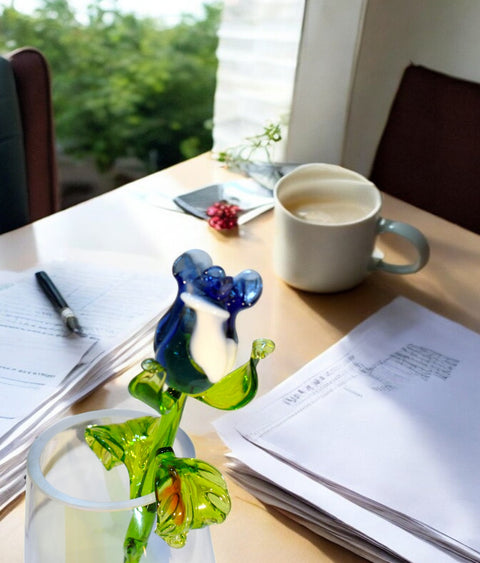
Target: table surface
301, 324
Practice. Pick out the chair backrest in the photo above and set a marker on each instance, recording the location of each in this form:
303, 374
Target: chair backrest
33, 87
429, 153
13, 180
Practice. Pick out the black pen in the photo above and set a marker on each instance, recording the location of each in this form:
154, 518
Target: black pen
68, 317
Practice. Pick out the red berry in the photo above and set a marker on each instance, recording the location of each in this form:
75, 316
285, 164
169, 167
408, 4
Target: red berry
222, 215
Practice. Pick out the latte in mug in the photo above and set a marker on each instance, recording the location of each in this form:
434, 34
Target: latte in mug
327, 219
326, 211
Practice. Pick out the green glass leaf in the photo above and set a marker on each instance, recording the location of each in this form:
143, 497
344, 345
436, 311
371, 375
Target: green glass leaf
129, 442
149, 386
190, 493
239, 387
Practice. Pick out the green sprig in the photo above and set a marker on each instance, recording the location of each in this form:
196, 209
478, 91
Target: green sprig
237, 156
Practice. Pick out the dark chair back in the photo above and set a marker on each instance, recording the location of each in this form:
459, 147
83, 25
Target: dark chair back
13, 180
429, 153
32, 80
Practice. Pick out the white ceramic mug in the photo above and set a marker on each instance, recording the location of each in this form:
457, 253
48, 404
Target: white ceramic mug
327, 219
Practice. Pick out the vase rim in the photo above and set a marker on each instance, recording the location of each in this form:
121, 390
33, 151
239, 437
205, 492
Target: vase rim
36, 475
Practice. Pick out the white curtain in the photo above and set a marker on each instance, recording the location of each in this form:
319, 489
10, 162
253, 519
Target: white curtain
257, 52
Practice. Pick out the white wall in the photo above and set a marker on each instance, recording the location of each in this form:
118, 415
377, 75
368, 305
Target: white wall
332, 30
352, 58
440, 34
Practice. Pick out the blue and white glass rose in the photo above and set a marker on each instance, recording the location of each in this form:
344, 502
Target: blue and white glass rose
195, 347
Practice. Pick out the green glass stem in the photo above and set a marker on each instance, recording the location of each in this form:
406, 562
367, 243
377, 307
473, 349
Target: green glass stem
144, 517
135, 443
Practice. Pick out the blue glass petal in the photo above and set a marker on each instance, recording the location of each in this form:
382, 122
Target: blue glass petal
196, 274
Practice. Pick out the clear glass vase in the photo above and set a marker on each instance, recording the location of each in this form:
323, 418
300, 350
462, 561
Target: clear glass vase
76, 511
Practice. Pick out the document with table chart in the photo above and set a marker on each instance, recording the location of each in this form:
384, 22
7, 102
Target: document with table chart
388, 419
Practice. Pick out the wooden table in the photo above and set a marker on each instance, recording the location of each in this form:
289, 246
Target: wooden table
301, 324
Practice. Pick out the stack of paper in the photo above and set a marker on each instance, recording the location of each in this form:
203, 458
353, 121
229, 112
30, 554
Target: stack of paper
375, 444
44, 369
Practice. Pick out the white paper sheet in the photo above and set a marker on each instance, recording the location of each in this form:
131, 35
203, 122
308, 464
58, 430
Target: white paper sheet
389, 417
37, 352
365, 528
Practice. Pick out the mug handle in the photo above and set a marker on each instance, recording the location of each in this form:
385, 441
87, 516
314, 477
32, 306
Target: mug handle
414, 236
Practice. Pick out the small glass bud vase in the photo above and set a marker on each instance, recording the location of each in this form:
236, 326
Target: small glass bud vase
78, 512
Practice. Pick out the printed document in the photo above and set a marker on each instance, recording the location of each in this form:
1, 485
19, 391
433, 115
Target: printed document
44, 369
37, 352
388, 418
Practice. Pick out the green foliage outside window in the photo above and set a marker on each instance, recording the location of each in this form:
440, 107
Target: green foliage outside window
123, 84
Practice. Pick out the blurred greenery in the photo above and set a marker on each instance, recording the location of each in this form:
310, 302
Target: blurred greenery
124, 85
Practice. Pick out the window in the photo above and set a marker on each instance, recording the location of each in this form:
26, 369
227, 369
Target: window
257, 58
